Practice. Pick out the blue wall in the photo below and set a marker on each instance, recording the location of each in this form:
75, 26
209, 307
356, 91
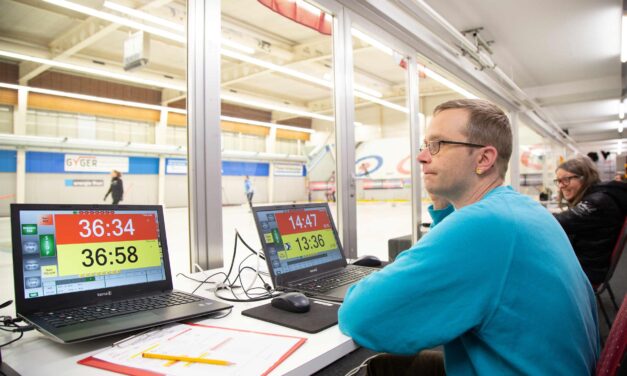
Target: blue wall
54, 163
8, 160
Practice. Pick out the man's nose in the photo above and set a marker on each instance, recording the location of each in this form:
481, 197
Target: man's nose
424, 156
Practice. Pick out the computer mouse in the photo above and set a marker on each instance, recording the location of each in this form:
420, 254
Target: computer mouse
368, 260
292, 302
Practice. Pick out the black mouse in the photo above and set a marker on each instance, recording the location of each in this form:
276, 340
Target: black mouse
292, 302
371, 261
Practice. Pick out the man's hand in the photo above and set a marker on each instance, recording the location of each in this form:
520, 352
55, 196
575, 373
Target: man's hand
439, 203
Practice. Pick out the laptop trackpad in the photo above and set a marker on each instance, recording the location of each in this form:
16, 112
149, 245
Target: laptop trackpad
109, 326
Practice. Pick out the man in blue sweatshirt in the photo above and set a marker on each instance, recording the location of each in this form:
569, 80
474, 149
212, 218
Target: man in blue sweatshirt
495, 281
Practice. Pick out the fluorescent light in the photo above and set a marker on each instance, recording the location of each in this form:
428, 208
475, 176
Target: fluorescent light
306, 77
623, 41
621, 110
381, 102
620, 126
118, 20
93, 71
367, 90
429, 73
373, 42
139, 26
148, 106
265, 124
144, 16
93, 98
274, 107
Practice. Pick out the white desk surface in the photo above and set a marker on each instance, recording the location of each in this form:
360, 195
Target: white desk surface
35, 354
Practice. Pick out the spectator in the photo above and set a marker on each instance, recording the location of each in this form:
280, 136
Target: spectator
595, 215
249, 190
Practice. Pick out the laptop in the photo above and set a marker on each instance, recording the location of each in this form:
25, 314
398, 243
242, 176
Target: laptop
303, 250
88, 271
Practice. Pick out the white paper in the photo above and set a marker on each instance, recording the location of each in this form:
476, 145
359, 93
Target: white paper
253, 353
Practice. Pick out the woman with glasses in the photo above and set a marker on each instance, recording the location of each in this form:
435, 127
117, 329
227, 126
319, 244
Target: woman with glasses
596, 212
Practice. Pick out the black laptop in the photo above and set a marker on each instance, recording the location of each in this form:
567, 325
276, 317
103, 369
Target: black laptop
88, 271
303, 250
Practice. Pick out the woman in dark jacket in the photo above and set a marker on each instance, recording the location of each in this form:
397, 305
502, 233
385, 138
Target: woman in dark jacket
116, 189
595, 215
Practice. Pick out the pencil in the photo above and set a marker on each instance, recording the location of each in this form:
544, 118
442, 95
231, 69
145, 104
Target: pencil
190, 359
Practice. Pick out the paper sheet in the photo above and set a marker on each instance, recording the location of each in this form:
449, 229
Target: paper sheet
253, 353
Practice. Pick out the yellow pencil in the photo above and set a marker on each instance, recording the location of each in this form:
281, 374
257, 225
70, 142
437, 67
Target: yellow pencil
190, 359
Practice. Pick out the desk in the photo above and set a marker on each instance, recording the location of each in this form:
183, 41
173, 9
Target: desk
37, 355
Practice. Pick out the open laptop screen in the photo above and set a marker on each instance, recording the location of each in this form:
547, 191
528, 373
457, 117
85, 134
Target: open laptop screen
68, 251
298, 239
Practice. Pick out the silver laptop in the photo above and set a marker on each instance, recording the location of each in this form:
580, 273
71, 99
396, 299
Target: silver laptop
303, 250
89, 271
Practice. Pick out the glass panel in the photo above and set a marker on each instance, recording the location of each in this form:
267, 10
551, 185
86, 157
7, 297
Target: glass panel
532, 159
275, 71
90, 112
382, 149
436, 87
6, 119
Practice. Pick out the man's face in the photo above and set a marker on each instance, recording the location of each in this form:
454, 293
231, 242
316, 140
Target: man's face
449, 172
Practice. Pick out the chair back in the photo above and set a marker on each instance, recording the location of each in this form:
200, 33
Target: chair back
614, 350
619, 249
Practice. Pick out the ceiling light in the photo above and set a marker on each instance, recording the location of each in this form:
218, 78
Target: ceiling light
431, 74
620, 126
623, 40
266, 124
139, 26
118, 20
371, 41
621, 110
274, 107
92, 98
144, 16
306, 77
367, 90
93, 71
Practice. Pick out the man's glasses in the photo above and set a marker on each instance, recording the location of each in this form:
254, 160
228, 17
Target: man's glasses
434, 146
565, 181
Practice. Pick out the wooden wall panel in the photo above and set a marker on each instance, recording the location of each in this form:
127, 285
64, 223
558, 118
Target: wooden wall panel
54, 103
245, 128
8, 96
99, 88
9, 73
292, 135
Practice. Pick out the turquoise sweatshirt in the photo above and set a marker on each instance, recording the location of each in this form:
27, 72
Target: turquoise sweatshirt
496, 282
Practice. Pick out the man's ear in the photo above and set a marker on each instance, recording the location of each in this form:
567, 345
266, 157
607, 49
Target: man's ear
486, 159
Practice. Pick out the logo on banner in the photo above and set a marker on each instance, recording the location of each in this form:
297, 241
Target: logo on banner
95, 163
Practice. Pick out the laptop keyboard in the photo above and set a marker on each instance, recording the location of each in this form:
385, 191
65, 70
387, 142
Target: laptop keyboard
123, 307
326, 283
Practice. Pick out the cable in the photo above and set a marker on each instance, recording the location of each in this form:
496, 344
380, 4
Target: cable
363, 364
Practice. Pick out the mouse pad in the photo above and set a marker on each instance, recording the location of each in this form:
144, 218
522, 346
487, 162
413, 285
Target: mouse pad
321, 315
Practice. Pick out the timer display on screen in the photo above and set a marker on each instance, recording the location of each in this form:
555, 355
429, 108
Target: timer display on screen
97, 244
305, 233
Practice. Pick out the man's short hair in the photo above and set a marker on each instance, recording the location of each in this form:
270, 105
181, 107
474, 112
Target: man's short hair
487, 125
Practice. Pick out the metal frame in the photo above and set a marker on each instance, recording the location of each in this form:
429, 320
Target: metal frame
413, 104
514, 160
204, 142
345, 131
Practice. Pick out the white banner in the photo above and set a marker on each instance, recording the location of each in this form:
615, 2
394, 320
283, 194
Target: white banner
176, 166
95, 163
284, 169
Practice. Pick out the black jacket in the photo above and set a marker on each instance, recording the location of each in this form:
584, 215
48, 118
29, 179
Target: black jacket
116, 189
593, 226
